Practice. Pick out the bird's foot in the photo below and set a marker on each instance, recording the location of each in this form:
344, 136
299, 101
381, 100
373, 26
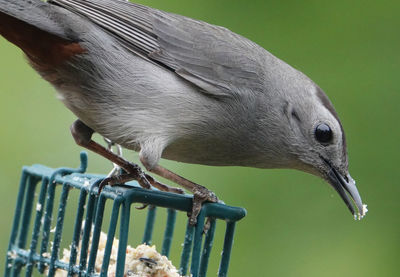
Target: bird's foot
134, 172
145, 181
200, 195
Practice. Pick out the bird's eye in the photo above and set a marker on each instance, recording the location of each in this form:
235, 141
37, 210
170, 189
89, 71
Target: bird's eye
323, 133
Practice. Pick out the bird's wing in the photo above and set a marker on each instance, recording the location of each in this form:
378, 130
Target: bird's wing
213, 58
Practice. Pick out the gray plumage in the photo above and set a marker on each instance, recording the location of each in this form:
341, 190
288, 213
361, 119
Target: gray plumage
170, 86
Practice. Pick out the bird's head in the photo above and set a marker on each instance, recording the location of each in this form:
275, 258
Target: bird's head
316, 140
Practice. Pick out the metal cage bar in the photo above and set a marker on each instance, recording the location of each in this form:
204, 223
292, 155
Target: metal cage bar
169, 232
110, 236
96, 233
226, 252
187, 244
77, 230
123, 240
11, 263
90, 210
148, 231
36, 228
59, 228
47, 221
27, 214
208, 244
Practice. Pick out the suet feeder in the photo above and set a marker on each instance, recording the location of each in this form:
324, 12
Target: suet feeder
36, 213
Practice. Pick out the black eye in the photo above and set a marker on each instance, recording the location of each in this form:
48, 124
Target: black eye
323, 133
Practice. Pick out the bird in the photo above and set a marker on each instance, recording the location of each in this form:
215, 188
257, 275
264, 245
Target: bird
168, 86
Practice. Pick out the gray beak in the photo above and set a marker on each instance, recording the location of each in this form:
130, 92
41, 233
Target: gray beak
343, 185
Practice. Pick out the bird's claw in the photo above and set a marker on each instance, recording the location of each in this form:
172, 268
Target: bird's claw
142, 207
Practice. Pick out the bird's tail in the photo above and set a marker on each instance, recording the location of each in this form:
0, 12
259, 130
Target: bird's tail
31, 25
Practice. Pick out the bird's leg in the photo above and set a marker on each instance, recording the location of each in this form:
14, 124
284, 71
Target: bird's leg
200, 194
116, 168
83, 137
163, 187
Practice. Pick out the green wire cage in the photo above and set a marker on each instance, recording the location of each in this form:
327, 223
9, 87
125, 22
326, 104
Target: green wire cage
42, 255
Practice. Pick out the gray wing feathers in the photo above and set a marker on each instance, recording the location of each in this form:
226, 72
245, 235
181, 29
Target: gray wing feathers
130, 30
211, 57
213, 54
35, 13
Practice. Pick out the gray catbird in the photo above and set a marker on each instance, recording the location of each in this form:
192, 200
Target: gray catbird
173, 87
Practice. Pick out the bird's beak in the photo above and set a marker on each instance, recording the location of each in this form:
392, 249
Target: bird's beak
347, 184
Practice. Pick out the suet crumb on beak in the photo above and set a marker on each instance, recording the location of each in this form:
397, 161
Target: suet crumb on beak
361, 215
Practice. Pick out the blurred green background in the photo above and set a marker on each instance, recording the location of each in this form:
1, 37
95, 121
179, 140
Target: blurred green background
296, 224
